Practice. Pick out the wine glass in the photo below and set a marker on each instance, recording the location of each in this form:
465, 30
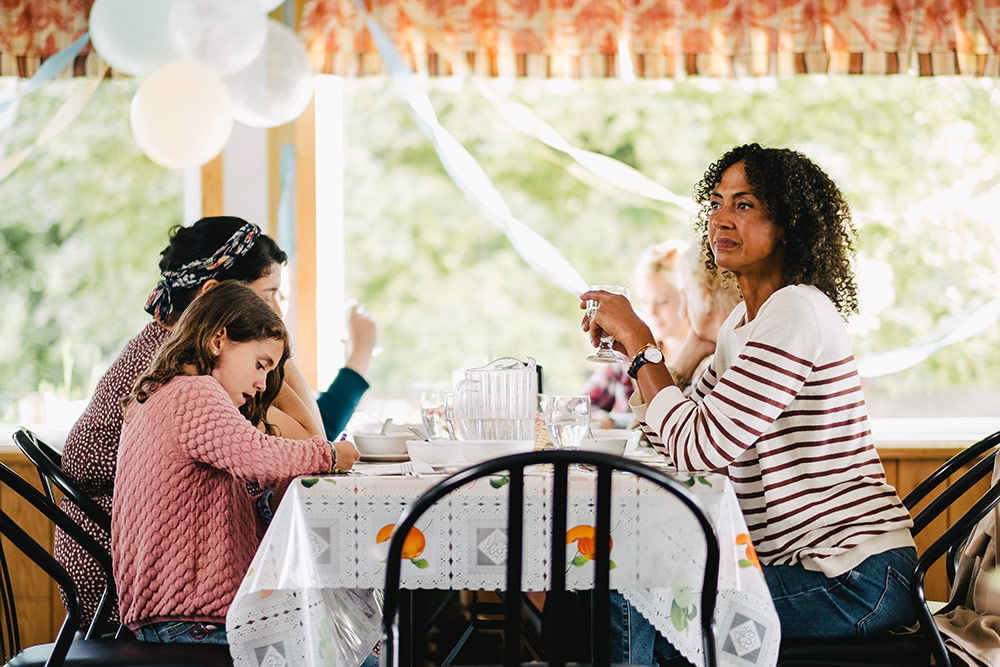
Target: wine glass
606, 353
567, 418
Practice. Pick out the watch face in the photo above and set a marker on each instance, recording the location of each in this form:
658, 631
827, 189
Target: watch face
653, 355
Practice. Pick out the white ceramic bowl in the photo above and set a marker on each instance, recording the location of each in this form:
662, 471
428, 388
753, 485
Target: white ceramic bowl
631, 436
390, 444
608, 445
484, 450
436, 452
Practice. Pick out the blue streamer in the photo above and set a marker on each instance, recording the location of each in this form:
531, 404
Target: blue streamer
50, 68
286, 203
467, 173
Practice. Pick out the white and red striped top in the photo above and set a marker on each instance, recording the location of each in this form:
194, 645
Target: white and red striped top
782, 414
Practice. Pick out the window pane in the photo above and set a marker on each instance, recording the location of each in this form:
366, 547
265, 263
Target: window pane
917, 159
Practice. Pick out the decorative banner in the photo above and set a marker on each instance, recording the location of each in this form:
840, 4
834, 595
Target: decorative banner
49, 69
62, 119
468, 175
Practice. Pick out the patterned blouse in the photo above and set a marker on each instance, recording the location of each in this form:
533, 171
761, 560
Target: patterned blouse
90, 457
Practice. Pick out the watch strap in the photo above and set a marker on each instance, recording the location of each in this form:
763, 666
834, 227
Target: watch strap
638, 360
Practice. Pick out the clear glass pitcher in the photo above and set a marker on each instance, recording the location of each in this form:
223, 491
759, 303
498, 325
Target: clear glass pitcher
497, 401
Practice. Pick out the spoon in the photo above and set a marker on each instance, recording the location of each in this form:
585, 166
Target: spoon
385, 426
419, 433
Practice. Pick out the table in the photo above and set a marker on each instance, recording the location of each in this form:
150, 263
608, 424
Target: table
312, 595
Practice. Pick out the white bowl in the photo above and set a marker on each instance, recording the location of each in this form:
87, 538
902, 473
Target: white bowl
631, 436
607, 445
484, 450
390, 444
436, 452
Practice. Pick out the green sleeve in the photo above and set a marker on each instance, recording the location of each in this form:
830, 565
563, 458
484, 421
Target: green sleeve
337, 403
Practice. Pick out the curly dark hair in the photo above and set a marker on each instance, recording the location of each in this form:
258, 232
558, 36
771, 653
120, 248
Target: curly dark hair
805, 202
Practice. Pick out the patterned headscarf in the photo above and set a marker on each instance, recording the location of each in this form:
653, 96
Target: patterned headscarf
198, 271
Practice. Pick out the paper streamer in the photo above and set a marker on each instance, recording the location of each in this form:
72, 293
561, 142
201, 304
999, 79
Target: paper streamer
477, 186
527, 121
63, 117
286, 202
893, 361
468, 175
49, 69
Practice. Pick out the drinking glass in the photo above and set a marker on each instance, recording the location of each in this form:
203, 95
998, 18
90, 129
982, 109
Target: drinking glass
433, 413
605, 351
567, 418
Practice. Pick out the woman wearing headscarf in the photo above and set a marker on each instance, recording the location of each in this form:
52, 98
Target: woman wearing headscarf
196, 258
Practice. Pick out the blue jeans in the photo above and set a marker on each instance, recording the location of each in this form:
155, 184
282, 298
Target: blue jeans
182, 632
191, 632
871, 599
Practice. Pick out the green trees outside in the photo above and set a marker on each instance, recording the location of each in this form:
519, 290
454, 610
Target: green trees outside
82, 221
917, 158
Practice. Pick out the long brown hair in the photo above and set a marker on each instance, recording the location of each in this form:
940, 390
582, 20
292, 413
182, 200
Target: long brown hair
235, 307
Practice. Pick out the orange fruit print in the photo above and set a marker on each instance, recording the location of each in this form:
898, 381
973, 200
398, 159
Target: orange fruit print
584, 536
751, 554
413, 545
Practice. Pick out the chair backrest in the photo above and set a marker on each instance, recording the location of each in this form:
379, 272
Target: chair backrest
555, 600
955, 534
986, 448
11, 644
51, 473
14, 482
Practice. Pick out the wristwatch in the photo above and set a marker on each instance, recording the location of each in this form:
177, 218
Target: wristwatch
647, 354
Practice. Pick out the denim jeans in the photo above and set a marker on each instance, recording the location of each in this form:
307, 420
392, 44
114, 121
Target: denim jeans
190, 632
871, 599
182, 632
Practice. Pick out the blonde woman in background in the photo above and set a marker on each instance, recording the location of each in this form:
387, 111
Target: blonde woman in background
659, 298
707, 298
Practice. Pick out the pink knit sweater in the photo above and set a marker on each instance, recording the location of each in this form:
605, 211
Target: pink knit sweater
184, 529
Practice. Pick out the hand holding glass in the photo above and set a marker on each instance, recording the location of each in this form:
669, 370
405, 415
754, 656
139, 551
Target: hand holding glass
567, 418
605, 351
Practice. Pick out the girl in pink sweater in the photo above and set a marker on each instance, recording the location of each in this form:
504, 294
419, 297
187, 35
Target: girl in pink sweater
184, 529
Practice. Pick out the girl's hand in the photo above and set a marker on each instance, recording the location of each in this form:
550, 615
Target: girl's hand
347, 454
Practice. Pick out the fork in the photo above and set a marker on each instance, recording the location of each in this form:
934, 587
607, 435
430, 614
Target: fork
407, 469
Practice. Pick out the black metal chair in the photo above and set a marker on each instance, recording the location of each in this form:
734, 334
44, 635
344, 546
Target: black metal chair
555, 601
915, 649
66, 649
985, 448
48, 462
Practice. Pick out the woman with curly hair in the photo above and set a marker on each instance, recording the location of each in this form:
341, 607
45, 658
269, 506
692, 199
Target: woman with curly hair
780, 411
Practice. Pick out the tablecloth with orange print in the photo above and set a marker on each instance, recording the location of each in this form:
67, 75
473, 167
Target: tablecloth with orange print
312, 594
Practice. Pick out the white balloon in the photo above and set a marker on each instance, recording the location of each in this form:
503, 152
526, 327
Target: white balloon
223, 34
132, 36
277, 85
182, 115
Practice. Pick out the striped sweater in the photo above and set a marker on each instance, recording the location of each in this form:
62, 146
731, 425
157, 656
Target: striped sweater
782, 414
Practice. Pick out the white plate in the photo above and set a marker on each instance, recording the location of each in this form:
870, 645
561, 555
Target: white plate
387, 458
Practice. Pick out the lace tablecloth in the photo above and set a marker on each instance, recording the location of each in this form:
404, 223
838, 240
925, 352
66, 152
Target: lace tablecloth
312, 595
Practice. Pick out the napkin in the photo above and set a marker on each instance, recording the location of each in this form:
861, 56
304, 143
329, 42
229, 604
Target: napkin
418, 467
